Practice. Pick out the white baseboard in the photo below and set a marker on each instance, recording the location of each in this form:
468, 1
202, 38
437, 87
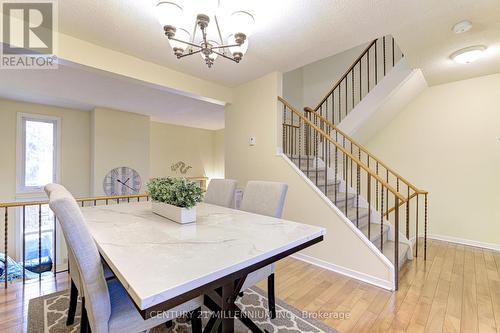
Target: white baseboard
462, 241
388, 285
469, 242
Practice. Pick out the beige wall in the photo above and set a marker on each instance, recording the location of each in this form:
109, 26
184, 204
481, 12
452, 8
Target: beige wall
447, 142
307, 85
118, 139
249, 116
196, 147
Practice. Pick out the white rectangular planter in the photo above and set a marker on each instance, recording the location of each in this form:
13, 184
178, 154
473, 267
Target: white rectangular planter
174, 213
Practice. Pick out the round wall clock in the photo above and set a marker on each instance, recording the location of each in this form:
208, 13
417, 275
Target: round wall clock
122, 181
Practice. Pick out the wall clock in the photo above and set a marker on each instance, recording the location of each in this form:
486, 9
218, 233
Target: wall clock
122, 181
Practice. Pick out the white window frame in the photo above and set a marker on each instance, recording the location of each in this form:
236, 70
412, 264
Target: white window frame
21, 150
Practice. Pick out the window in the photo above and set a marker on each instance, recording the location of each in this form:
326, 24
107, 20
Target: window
38, 152
38, 162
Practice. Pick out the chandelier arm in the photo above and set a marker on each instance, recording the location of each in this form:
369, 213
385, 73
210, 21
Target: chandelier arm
220, 34
187, 43
225, 56
188, 54
224, 46
204, 33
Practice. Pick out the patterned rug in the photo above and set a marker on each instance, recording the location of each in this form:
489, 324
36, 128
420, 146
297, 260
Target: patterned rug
47, 314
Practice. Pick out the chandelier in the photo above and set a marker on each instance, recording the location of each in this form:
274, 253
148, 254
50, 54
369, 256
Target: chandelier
209, 44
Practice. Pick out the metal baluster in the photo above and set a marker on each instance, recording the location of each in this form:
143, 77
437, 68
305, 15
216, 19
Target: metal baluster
284, 129
346, 96
360, 85
381, 219
369, 197
55, 243
344, 171
336, 167
408, 215
393, 52
396, 242
368, 72
383, 44
352, 87
340, 106
358, 180
376, 189
316, 148
300, 143
425, 228
6, 250
39, 237
416, 227
376, 63
326, 165
24, 244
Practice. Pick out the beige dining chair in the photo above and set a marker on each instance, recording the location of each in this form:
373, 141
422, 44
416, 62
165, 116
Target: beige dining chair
265, 198
106, 306
220, 192
76, 287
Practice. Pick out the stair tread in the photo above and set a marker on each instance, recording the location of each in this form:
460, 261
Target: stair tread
374, 231
351, 213
388, 251
341, 197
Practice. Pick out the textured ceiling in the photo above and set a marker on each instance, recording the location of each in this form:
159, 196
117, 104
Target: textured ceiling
292, 33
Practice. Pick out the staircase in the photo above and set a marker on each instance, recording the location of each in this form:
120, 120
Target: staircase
381, 204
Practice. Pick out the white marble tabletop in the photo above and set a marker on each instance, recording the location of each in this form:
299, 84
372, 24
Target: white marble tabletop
157, 259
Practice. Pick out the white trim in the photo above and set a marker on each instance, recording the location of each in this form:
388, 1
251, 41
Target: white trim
385, 284
20, 142
350, 225
456, 240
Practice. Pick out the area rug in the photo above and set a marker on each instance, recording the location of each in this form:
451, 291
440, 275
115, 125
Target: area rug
47, 314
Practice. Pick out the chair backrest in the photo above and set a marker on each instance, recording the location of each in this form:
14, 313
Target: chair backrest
86, 255
265, 198
220, 192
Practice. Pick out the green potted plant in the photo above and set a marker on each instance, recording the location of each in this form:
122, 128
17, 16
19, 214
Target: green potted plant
175, 198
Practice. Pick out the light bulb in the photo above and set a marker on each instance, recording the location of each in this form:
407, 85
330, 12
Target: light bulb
242, 22
237, 49
168, 13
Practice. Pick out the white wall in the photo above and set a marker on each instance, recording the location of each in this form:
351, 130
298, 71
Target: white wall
250, 116
447, 142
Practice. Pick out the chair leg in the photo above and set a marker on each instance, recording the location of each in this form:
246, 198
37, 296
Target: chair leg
169, 324
196, 324
73, 298
84, 323
271, 296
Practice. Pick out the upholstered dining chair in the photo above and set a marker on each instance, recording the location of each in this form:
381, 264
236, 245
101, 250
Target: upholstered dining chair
106, 306
265, 198
76, 287
220, 192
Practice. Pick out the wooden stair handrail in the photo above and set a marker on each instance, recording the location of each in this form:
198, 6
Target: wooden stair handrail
360, 147
342, 149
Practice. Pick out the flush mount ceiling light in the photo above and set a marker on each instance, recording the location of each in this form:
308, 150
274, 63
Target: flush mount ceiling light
462, 27
172, 17
468, 55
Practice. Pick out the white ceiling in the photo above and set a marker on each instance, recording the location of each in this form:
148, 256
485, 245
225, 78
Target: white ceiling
74, 86
292, 33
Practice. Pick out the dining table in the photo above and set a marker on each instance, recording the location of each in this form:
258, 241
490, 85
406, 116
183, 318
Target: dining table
162, 264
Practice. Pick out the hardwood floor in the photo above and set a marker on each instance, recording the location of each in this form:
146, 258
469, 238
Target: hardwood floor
456, 290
